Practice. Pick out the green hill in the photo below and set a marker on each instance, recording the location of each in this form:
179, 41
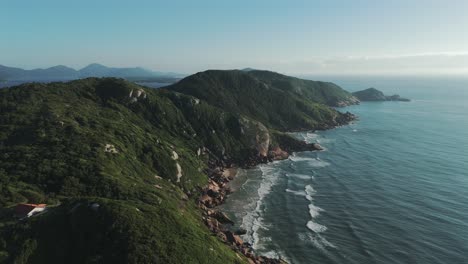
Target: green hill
53, 150
321, 92
278, 101
122, 166
372, 94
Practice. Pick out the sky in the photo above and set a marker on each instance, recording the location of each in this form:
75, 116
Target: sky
297, 37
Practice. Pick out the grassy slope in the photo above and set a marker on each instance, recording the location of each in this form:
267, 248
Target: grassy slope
278, 101
322, 92
52, 145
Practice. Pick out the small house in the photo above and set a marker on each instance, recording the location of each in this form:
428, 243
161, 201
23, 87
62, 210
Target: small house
28, 210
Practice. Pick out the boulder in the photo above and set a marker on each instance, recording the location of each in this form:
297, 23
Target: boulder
278, 154
212, 224
222, 218
206, 200
234, 239
221, 236
240, 231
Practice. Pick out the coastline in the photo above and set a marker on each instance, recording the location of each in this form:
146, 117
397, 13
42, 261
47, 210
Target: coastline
217, 190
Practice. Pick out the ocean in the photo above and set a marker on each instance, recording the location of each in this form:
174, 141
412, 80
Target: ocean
390, 188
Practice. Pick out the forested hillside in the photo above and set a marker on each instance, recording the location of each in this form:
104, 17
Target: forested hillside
121, 167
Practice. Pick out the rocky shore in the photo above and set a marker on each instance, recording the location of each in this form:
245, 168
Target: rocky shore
221, 172
217, 190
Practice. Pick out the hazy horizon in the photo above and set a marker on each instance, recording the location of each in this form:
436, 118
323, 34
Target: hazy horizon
293, 37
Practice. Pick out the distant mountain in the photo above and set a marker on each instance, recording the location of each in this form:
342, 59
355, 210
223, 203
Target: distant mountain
372, 94
58, 73
278, 101
248, 69
54, 73
99, 70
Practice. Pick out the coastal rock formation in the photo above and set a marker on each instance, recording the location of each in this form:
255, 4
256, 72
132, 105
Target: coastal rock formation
372, 94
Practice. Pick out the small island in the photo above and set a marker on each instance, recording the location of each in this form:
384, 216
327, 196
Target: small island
373, 95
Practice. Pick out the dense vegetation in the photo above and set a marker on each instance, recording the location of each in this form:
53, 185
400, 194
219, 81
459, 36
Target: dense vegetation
278, 101
140, 154
321, 92
372, 94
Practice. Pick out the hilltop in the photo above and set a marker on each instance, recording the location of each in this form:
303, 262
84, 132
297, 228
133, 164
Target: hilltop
278, 101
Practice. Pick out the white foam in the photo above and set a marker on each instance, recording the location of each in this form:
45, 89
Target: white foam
314, 211
317, 228
300, 176
298, 193
312, 162
318, 163
297, 159
253, 221
311, 137
317, 240
309, 192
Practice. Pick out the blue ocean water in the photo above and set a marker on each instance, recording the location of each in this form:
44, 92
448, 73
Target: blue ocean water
390, 188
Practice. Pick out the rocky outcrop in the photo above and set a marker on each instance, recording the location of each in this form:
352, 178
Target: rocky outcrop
278, 154
258, 133
217, 190
109, 148
179, 171
372, 95
352, 100
136, 94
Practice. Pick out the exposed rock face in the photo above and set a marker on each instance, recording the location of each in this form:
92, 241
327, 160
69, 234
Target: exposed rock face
136, 94
278, 154
109, 148
232, 238
259, 133
372, 94
352, 100
222, 217
263, 140
179, 172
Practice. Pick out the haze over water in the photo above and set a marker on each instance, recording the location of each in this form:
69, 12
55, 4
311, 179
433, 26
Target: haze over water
390, 188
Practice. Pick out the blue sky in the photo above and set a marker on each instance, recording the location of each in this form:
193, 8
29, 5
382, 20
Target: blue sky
302, 37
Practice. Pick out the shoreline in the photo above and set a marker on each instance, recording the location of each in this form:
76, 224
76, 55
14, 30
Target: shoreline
217, 191
217, 221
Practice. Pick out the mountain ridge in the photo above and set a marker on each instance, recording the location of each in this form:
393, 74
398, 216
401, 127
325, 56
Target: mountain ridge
61, 72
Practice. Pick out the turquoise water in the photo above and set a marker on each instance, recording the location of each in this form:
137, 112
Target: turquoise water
390, 188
